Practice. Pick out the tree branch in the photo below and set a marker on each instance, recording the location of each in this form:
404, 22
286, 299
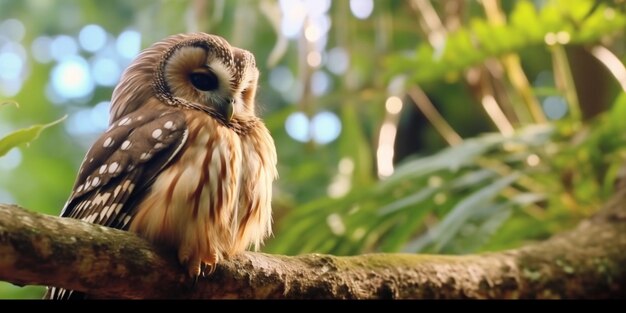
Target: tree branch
586, 262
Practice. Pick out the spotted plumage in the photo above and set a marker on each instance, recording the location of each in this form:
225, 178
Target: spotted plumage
185, 163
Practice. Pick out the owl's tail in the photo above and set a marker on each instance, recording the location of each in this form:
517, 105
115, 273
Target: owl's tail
54, 293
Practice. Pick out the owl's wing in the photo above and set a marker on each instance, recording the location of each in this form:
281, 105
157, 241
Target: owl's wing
122, 164
119, 167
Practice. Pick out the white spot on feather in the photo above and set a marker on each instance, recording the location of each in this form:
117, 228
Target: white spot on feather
118, 208
105, 213
125, 185
113, 167
125, 145
124, 121
117, 191
108, 142
126, 220
156, 134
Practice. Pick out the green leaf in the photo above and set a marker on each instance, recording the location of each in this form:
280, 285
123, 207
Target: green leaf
452, 159
353, 144
521, 19
443, 232
10, 102
24, 135
408, 224
618, 112
476, 233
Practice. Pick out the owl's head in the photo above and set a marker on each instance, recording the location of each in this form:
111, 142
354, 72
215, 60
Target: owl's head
197, 71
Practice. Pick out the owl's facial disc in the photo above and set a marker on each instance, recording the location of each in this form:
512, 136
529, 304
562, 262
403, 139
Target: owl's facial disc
205, 73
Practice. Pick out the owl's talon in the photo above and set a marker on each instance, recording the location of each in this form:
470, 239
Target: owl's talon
203, 270
207, 269
194, 281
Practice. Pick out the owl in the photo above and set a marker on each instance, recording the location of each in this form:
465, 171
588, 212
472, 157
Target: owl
185, 163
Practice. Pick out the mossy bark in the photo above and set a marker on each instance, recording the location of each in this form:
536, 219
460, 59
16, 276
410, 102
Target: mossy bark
587, 262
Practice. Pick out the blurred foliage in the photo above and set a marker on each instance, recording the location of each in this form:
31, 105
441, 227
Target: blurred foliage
527, 27
23, 136
483, 178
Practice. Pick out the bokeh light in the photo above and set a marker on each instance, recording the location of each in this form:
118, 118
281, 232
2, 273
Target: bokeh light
128, 44
320, 83
554, 107
292, 20
326, 127
316, 7
106, 71
63, 47
92, 38
312, 33
361, 9
338, 60
11, 65
13, 68
99, 115
40, 49
71, 78
393, 105
314, 59
89, 121
281, 79
13, 29
297, 126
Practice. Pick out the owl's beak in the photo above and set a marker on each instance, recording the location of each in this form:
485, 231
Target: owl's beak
226, 110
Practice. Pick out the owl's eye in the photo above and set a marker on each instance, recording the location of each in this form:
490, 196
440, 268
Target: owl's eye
205, 81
